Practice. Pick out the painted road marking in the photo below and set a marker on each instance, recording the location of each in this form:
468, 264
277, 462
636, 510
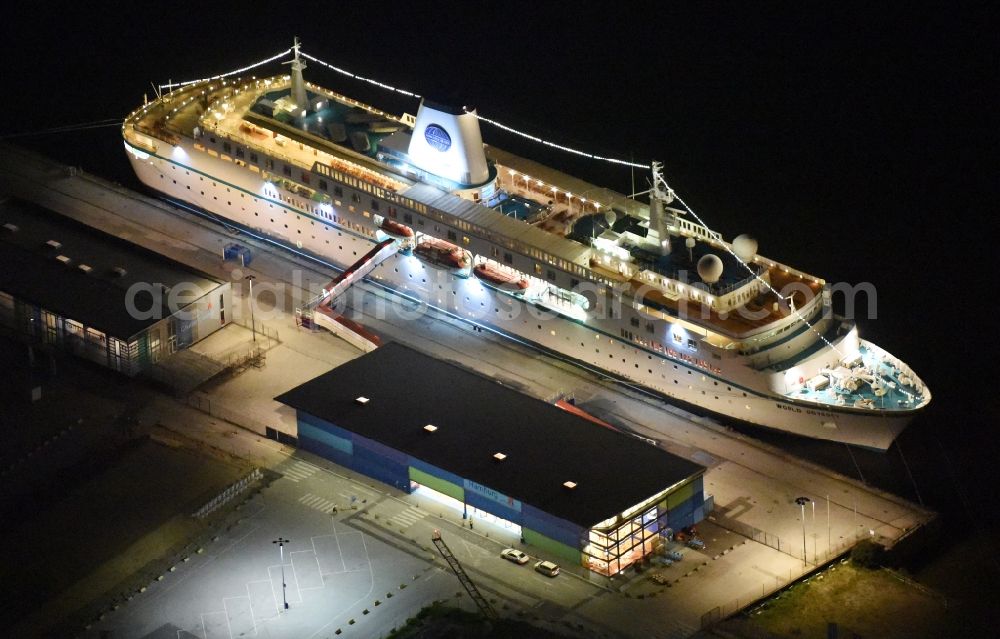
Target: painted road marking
408, 517
307, 570
328, 554
298, 471
318, 503
239, 614
262, 600
215, 625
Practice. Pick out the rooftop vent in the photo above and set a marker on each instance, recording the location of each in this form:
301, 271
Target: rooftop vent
499, 456
362, 400
430, 428
84, 267
63, 258
118, 272
569, 484
13, 228
52, 244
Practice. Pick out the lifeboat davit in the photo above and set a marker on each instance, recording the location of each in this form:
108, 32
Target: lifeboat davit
499, 278
395, 229
442, 253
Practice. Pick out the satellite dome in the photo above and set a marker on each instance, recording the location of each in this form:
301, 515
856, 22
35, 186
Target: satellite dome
610, 217
689, 242
710, 268
745, 247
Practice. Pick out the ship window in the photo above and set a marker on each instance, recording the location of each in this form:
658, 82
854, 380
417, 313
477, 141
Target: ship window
649, 327
538, 269
551, 275
305, 178
339, 191
269, 163
355, 198
634, 321
322, 184
508, 258
692, 344
240, 152
253, 156
407, 218
465, 239
677, 338
211, 139
287, 170
573, 283
227, 147
452, 236
375, 205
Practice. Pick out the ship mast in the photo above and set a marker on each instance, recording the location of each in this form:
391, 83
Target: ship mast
298, 84
660, 195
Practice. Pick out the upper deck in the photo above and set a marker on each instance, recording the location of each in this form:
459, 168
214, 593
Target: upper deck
737, 306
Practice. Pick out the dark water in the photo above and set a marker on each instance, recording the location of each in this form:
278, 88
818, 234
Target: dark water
854, 144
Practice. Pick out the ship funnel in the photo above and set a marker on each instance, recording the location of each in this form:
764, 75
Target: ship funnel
446, 142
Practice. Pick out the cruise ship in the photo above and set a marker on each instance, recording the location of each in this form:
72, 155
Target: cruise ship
632, 285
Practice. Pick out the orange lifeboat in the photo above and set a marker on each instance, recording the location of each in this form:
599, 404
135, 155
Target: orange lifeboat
442, 253
395, 229
498, 278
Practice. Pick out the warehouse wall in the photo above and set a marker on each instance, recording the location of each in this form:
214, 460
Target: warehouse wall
554, 535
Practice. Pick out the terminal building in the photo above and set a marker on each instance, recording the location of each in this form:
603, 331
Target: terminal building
68, 286
575, 489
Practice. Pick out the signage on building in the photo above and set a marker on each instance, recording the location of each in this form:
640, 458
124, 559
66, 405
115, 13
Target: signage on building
491, 494
437, 137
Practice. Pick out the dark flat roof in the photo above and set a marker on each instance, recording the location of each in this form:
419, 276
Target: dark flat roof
477, 417
30, 271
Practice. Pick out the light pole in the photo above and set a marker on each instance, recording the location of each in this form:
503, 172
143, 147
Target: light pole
281, 541
253, 324
814, 529
802, 501
829, 535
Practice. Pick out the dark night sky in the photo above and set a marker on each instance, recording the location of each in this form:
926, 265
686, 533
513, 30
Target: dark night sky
856, 144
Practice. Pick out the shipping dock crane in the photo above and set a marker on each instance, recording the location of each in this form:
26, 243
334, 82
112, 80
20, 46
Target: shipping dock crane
456, 567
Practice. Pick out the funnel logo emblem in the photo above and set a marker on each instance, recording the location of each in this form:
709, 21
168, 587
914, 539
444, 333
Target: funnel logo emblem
437, 137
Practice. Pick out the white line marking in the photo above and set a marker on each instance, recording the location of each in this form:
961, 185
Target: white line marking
226, 606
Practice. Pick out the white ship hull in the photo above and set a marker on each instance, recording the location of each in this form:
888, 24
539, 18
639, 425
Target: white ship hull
732, 389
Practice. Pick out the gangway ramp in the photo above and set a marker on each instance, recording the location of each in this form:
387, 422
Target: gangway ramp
356, 272
318, 312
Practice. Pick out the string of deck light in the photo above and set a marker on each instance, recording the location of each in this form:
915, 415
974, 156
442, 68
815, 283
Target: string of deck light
525, 135
535, 138
355, 76
171, 85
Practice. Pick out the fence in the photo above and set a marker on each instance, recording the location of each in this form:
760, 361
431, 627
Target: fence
228, 494
266, 335
811, 562
216, 408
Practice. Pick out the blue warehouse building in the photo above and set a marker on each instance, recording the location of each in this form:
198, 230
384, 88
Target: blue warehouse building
575, 489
